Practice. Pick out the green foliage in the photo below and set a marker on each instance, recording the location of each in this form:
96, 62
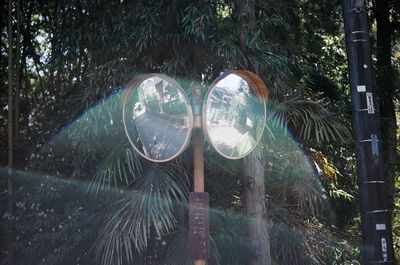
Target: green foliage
228, 230
310, 119
146, 214
76, 54
46, 210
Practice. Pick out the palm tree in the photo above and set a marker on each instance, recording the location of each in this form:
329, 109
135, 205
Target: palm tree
147, 224
148, 221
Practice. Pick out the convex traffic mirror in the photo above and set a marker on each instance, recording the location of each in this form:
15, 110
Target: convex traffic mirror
158, 118
234, 113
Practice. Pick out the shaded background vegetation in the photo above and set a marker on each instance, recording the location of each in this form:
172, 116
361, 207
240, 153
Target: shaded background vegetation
77, 183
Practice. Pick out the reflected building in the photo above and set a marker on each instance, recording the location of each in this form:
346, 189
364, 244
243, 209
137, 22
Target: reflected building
232, 113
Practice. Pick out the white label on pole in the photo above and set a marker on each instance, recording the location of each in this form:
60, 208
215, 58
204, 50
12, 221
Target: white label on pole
380, 227
361, 88
384, 249
374, 145
370, 103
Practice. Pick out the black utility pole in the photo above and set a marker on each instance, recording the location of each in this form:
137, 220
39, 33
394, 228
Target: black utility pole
375, 214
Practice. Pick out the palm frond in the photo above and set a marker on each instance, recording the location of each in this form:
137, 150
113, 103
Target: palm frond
309, 119
150, 206
229, 232
121, 164
309, 199
177, 251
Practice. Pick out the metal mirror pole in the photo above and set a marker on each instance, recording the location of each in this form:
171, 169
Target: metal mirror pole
197, 137
198, 200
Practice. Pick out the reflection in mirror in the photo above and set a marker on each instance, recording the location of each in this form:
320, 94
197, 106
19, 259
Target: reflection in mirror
157, 117
234, 114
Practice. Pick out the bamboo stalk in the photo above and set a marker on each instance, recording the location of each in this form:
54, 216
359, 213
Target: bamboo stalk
10, 124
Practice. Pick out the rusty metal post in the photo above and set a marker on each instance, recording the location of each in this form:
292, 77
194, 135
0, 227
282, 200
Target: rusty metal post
198, 200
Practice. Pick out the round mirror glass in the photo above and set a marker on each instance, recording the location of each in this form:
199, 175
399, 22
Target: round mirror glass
157, 117
234, 113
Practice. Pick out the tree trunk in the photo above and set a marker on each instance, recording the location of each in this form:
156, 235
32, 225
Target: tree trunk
247, 21
10, 121
254, 203
18, 72
254, 188
10, 124
385, 89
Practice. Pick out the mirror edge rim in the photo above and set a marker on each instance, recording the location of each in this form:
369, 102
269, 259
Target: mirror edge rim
133, 84
261, 88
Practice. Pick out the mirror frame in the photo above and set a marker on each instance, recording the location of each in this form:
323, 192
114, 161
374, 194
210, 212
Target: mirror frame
260, 90
134, 85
